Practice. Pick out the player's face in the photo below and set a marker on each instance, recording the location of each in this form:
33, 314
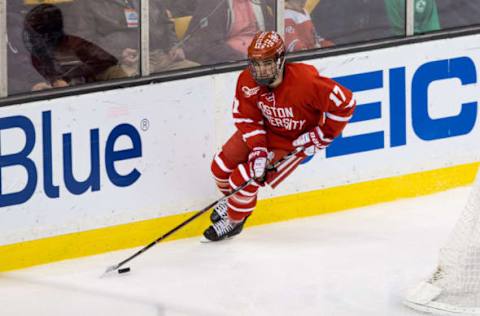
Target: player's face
265, 69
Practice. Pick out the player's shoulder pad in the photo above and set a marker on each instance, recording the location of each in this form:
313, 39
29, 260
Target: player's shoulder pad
303, 74
303, 71
246, 85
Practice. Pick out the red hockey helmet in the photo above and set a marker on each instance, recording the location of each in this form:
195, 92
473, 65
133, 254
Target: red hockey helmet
266, 56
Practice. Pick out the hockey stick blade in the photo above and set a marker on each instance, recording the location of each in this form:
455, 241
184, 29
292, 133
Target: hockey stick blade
109, 270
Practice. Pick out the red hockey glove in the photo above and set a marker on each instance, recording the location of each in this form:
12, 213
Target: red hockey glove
257, 161
313, 141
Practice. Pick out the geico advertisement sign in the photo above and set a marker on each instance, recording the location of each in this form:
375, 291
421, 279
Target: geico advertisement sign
42, 136
424, 126
392, 134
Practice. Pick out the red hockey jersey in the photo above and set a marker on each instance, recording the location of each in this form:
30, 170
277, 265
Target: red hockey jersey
299, 31
273, 118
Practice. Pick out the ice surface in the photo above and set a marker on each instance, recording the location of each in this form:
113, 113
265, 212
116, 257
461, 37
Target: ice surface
357, 262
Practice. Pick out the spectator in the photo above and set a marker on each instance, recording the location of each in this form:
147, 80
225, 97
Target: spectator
166, 52
22, 76
221, 30
426, 16
347, 21
300, 33
457, 13
62, 59
115, 26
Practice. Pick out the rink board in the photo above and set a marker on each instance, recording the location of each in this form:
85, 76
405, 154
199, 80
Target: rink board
87, 174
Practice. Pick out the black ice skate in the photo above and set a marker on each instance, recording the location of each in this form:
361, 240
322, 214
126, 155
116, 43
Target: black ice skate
219, 212
223, 229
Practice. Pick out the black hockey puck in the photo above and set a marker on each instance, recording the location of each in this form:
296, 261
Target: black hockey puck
124, 270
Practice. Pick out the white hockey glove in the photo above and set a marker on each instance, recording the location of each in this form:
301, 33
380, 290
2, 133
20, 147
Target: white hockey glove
257, 161
313, 141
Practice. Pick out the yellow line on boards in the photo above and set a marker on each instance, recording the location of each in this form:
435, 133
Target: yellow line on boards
46, 250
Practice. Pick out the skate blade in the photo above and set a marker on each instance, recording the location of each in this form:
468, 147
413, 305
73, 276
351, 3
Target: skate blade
204, 240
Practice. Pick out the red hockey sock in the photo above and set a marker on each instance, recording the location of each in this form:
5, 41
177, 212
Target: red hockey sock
221, 171
241, 204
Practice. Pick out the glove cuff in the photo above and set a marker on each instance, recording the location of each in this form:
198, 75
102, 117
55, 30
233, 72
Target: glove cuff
258, 152
319, 139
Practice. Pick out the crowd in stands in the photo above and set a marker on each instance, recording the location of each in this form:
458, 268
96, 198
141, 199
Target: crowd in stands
61, 43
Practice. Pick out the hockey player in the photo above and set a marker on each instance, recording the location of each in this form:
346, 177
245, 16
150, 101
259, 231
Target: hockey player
278, 107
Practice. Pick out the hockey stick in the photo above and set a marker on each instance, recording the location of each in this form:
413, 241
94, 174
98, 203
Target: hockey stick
197, 214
